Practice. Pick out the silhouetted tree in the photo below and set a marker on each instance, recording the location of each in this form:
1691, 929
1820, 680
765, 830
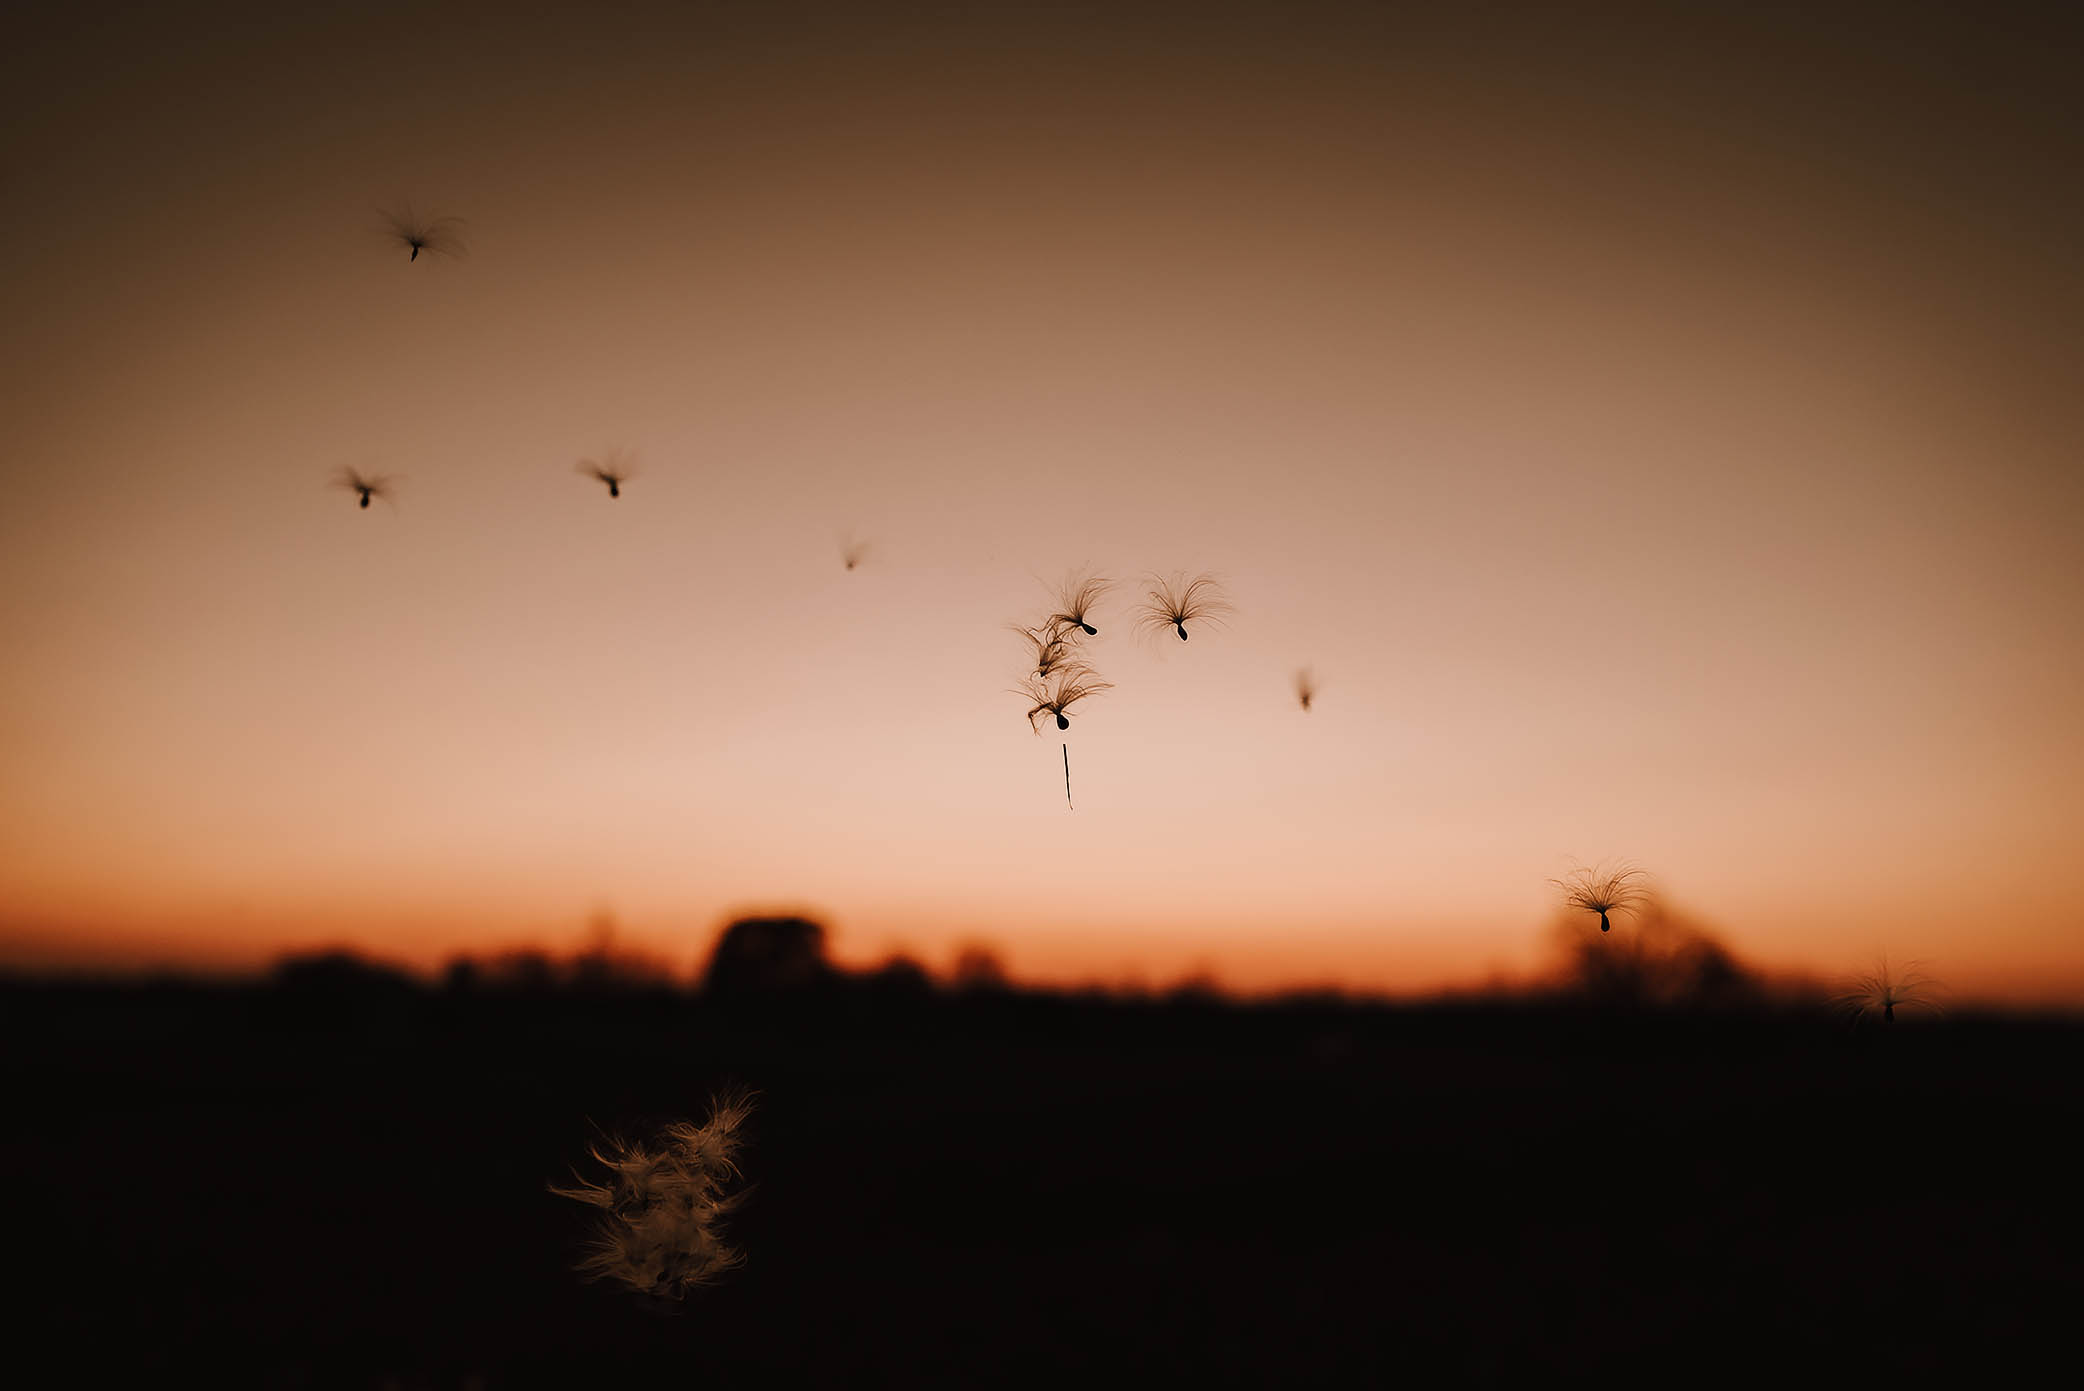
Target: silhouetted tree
977, 967
899, 978
525, 968
606, 964
1663, 962
339, 972
1199, 990
762, 955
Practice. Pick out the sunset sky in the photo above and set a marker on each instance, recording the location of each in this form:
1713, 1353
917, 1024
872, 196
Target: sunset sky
1659, 435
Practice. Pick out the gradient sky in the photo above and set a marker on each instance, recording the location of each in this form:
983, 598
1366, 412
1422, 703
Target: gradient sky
1659, 434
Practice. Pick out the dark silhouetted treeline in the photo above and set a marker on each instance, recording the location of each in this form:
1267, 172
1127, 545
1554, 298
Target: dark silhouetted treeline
1651, 1169
1663, 962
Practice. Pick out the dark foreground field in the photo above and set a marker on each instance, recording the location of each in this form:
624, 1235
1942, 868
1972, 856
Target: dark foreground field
345, 1185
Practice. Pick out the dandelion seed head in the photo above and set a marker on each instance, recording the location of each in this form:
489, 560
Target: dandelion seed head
438, 235
1605, 889
614, 468
1173, 602
1885, 990
368, 485
1076, 598
1055, 695
662, 1202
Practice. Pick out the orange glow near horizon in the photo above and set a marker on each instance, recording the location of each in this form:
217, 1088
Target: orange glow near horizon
1641, 475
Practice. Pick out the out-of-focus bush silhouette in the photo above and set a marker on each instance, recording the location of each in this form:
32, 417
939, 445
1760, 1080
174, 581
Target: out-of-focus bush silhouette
339, 990
761, 956
1198, 989
604, 964
978, 969
899, 978
518, 969
523, 968
339, 971
1662, 961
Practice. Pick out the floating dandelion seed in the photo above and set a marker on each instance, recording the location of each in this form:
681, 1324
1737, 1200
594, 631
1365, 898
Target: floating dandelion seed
441, 235
368, 487
662, 1204
1174, 603
1049, 647
852, 552
1305, 689
1057, 676
614, 470
1057, 695
1604, 891
1075, 599
1883, 992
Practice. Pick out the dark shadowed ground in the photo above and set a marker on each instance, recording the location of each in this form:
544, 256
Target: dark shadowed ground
339, 1180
